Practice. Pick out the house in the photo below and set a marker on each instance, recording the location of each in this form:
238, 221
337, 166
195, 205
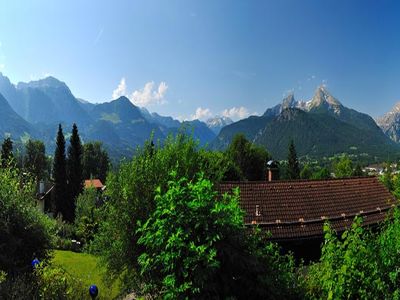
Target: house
96, 183
294, 212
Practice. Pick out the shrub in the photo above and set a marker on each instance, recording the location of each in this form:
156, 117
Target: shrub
130, 192
87, 216
25, 232
55, 283
196, 247
348, 268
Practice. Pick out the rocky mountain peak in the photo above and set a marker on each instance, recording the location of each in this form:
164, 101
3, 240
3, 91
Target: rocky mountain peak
49, 82
288, 102
322, 96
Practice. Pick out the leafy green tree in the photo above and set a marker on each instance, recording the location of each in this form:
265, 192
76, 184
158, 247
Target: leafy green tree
35, 160
60, 177
349, 267
387, 177
322, 173
6, 152
250, 159
343, 168
196, 246
218, 166
131, 191
388, 245
95, 161
306, 172
74, 172
25, 233
87, 215
293, 171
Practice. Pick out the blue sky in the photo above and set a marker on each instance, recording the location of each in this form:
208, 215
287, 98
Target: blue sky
237, 56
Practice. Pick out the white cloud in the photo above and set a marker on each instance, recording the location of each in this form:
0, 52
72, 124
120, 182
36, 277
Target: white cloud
2, 66
236, 113
150, 95
120, 90
201, 114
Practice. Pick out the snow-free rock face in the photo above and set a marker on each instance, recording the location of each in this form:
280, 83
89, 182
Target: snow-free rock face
390, 123
217, 123
324, 101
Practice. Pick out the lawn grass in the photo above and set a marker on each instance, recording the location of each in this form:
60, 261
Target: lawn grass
85, 267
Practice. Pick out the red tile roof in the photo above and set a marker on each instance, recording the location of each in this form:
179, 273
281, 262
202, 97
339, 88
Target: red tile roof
298, 209
96, 183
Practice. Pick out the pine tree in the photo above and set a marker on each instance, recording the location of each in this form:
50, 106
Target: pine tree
60, 176
74, 170
293, 163
6, 152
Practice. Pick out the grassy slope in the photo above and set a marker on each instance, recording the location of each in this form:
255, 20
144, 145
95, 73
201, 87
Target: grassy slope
84, 266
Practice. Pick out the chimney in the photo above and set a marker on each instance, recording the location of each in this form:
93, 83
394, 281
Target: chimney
41, 187
272, 170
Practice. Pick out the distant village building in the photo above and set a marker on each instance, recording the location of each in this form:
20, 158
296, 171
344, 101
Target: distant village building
295, 211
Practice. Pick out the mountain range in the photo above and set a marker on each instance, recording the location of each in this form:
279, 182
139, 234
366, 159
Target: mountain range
320, 127
34, 109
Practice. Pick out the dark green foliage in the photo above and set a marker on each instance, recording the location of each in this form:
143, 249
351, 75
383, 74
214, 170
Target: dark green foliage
60, 176
95, 161
7, 155
357, 172
74, 173
293, 169
250, 159
35, 160
196, 247
25, 233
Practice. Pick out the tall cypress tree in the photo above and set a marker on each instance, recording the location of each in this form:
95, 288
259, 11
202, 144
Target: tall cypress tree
74, 169
60, 176
6, 152
293, 163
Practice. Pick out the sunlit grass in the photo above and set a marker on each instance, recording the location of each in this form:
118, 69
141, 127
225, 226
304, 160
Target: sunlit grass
85, 267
